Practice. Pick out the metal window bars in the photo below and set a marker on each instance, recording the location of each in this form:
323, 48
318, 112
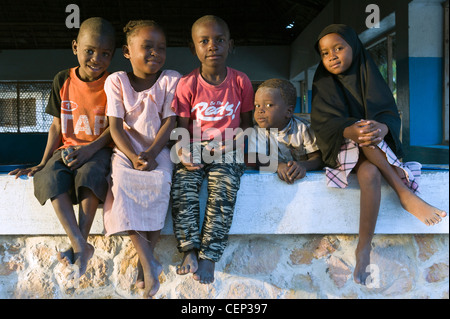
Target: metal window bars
22, 106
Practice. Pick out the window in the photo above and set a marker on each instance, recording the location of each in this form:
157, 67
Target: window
304, 97
382, 51
17, 112
22, 107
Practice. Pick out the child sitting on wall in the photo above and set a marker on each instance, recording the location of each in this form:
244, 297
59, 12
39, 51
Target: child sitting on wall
78, 104
292, 148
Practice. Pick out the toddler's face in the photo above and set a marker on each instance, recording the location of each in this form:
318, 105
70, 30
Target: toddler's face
212, 43
146, 51
271, 111
94, 53
336, 53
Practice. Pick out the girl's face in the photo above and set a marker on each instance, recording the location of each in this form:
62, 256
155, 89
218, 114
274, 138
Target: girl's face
146, 50
336, 53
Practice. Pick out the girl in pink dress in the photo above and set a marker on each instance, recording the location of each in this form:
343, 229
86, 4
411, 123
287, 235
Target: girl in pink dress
141, 119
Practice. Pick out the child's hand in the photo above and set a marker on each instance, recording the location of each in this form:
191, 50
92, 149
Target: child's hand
366, 133
291, 171
137, 163
226, 146
79, 156
146, 162
372, 133
353, 131
187, 160
30, 171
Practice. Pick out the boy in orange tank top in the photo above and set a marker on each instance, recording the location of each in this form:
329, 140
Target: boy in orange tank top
76, 160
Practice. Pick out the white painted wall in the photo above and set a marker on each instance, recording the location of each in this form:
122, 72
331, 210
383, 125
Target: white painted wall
265, 205
426, 28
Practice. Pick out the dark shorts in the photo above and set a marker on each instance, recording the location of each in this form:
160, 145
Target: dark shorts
56, 178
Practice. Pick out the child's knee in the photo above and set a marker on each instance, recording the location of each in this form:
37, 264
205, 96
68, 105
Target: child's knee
369, 173
86, 193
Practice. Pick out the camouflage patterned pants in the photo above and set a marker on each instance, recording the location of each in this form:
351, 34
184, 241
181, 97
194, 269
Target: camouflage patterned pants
223, 185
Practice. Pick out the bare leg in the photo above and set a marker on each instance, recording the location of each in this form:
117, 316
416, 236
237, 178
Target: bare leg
369, 178
152, 237
86, 213
426, 213
82, 251
140, 283
87, 209
150, 266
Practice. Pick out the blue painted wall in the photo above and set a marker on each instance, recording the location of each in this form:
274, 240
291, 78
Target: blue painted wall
298, 105
425, 81
309, 100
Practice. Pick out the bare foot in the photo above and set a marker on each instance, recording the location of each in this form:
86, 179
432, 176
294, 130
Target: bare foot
205, 271
81, 258
362, 261
140, 283
427, 214
65, 257
151, 278
189, 263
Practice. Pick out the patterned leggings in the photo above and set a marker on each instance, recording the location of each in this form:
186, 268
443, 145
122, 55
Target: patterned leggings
223, 185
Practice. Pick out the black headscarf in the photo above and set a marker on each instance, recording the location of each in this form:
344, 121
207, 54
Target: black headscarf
338, 101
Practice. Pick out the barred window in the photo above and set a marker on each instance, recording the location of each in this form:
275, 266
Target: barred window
22, 107
383, 54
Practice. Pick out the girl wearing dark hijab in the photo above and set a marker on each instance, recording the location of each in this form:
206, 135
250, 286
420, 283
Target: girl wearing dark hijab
357, 127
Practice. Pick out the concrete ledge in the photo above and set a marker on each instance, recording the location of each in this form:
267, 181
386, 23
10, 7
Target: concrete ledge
265, 205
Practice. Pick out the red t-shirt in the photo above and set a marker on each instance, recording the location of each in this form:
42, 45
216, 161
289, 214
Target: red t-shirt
213, 107
80, 105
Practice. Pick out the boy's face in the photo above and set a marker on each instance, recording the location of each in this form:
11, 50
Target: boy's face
146, 51
271, 111
94, 53
336, 53
211, 43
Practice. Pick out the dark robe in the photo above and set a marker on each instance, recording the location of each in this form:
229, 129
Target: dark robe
338, 101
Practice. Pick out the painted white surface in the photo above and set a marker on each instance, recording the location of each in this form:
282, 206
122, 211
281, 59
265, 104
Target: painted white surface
426, 27
265, 205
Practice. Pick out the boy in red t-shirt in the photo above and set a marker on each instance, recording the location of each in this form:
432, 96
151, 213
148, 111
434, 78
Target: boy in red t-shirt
77, 103
210, 102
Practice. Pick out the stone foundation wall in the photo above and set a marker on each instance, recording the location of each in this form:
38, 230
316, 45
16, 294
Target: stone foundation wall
253, 266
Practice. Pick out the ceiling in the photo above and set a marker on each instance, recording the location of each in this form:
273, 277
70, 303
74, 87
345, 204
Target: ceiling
30, 24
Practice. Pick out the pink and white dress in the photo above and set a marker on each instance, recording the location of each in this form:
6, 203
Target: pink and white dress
139, 200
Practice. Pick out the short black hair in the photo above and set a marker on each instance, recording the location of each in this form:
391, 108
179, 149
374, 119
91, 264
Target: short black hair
287, 89
212, 18
99, 26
